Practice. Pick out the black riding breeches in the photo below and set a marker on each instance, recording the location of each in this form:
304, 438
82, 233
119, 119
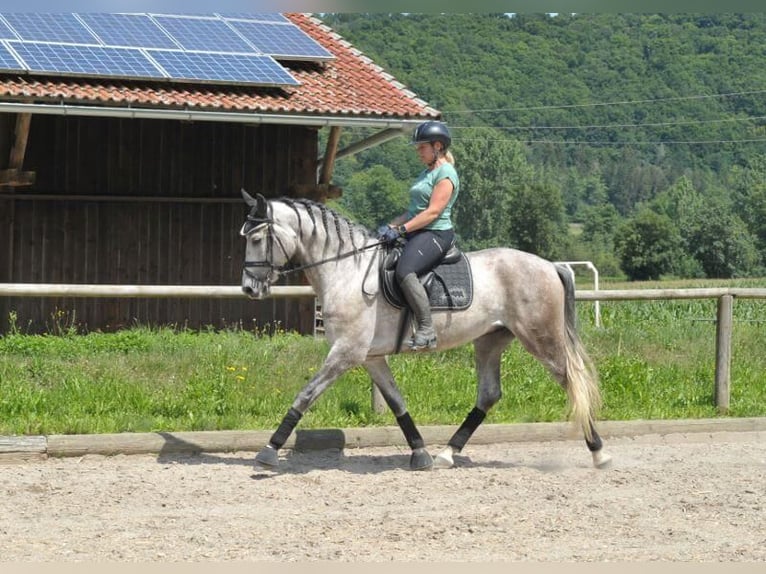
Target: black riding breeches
423, 249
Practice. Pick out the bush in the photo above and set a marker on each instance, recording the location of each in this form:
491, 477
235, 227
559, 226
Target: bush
648, 245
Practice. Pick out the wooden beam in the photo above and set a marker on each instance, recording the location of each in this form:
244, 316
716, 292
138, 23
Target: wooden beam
119, 198
139, 291
16, 178
367, 143
328, 165
666, 294
16, 449
13, 176
19, 149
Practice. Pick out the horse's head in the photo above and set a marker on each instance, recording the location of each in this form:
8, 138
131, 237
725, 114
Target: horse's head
269, 247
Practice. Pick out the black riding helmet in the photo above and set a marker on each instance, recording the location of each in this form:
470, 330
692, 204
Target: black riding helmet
432, 131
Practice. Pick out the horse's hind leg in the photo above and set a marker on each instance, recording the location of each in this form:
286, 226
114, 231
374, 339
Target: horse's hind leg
488, 350
576, 382
383, 378
595, 446
570, 366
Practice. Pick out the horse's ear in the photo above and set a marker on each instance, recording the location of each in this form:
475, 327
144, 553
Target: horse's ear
261, 206
248, 198
258, 202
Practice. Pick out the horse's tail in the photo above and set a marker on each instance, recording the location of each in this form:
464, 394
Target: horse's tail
581, 377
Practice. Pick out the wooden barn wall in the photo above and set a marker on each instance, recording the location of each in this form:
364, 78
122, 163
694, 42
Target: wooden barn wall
145, 202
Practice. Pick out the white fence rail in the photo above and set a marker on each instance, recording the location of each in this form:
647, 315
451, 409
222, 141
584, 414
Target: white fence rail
724, 295
135, 291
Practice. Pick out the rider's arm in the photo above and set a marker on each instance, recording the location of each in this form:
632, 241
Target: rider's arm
440, 197
399, 219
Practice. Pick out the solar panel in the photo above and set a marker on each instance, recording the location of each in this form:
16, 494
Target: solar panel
85, 60
254, 16
230, 68
131, 30
50, 27
237, 47
5, 32
205, 34
7, 61
281, 40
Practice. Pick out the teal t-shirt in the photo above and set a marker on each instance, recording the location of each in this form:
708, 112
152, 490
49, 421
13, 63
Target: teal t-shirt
420, 194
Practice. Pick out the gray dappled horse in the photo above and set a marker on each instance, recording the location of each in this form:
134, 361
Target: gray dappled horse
516, 295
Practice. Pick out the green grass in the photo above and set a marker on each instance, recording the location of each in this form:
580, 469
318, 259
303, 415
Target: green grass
656, 360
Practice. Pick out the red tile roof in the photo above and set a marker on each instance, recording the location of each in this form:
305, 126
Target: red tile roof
351, 85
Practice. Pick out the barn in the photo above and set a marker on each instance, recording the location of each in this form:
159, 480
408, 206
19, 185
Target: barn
112, 172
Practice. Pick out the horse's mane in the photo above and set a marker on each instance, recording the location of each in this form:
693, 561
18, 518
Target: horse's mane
330, 219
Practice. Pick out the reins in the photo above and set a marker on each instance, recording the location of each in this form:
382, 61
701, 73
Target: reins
282, 270
331, 259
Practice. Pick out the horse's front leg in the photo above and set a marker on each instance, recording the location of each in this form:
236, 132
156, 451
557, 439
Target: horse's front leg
342, 357
381, 375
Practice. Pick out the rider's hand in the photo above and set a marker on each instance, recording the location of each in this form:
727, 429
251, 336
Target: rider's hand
387, 234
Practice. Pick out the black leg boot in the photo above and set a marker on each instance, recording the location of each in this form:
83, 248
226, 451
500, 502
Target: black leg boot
417, 299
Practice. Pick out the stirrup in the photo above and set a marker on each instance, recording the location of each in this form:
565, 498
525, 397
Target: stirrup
421, 341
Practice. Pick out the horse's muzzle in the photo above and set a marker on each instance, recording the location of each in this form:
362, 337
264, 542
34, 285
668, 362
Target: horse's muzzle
254, 288
256, 292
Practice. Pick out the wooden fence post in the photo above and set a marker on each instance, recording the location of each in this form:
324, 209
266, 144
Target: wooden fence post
723, 352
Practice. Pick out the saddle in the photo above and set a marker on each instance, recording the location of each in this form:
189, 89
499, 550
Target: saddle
449, 284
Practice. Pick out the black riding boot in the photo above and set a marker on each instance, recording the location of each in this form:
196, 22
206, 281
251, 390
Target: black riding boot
417, 298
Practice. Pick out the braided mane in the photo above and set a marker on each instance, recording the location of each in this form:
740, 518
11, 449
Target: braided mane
330, 219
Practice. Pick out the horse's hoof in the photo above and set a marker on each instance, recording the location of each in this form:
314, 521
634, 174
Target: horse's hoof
267, 457
601, 460
444, 459
421, 460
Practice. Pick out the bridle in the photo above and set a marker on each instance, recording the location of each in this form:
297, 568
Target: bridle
257, 223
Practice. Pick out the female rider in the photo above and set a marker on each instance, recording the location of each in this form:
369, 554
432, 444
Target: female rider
426, 225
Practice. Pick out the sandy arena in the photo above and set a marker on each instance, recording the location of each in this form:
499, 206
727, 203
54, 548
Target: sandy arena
695, 497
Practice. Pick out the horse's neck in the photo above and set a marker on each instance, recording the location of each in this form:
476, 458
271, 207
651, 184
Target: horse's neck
332, 263
328, 245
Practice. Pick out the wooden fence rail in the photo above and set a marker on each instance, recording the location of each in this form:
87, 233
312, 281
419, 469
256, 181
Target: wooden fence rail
724, 320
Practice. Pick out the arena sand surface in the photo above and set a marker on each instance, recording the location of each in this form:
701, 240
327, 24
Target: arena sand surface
698, 497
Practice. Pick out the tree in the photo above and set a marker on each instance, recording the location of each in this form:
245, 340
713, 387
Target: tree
679, 202
749, 199
489, 166
721, 242
596, 242
374, 196
647, 245
582, 191
599, 223
711, 232
536, 219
